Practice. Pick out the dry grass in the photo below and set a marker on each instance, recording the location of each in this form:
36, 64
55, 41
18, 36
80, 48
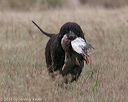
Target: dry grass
23, 71
24, 5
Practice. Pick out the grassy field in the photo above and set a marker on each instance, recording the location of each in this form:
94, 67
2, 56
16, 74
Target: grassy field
23, 72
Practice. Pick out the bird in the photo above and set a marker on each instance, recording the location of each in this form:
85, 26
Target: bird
81, 47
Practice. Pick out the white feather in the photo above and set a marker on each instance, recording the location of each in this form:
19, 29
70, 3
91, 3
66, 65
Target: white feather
78, 45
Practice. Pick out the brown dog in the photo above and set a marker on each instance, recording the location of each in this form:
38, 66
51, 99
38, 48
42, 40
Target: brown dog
55, 54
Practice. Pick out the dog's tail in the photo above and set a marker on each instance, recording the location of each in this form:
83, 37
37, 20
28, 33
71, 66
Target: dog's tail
47, 34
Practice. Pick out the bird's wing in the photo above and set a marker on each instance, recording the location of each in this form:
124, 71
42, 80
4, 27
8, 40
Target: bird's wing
78, 45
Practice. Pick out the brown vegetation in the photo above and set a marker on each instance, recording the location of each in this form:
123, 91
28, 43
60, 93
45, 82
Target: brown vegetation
23, 73
46, 4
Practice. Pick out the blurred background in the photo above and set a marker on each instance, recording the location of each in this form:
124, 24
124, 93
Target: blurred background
23, 72
46, 4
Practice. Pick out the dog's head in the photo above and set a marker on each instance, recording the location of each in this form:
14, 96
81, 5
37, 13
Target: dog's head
66, 40
72, 29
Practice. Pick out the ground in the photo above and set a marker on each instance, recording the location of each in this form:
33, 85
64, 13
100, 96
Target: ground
23, 72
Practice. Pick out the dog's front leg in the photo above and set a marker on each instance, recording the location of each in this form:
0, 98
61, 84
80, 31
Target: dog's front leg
64, 68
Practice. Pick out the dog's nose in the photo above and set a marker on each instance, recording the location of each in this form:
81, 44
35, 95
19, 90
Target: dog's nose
72, 37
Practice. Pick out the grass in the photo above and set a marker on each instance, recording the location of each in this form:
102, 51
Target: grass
23, 72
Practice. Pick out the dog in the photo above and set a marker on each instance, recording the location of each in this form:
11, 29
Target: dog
76, 52
55, 54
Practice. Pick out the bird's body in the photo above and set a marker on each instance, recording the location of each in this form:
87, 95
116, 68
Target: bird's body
80, 46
